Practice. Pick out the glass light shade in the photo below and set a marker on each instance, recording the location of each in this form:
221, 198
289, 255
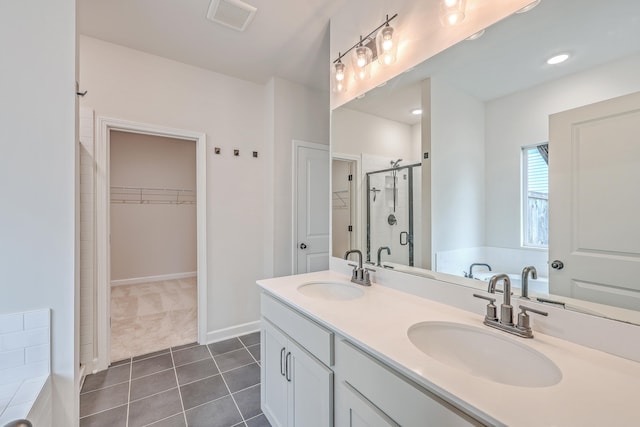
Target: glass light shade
387, 45
452, 12
339, 80
361, 59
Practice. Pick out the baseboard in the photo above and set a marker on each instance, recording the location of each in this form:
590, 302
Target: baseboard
147, 279
232, 332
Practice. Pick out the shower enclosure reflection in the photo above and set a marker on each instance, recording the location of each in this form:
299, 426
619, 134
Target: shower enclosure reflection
393, 196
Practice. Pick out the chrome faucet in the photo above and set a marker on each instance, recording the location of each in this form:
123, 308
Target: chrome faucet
525, 279
380, 249
359, 275
476, 264
506, 310
505, 322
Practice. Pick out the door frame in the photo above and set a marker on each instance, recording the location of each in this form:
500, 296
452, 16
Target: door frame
103, 214
356, 197
297, 144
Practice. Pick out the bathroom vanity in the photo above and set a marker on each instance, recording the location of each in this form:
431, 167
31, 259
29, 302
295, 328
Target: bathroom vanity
335, 353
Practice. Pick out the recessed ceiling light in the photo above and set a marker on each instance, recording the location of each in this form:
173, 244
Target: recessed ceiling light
530, 6
558, 59
416, 111
476, 36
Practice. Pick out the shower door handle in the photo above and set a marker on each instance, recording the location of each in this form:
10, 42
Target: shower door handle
406, 238
303, 246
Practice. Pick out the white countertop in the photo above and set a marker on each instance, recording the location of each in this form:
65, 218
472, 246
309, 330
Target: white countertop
597, 389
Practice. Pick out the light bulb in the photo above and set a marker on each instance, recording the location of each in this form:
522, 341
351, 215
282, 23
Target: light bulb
387, 45
387, 38
339, 71
362, 58
452, 12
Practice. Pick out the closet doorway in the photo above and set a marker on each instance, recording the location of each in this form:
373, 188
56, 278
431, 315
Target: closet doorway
151, 260
153, 243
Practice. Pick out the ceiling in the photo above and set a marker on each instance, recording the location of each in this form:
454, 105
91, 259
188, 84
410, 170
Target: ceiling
511, 55
287, 38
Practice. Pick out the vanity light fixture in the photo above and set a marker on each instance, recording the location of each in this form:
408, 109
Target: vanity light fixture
452, 12
380, 44
530, 6
416, 111
558, 59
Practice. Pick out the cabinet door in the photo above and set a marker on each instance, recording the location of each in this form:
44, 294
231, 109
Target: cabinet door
357, 411
310, 390
274, 384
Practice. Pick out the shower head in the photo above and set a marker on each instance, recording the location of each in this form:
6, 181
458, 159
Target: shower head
396, 163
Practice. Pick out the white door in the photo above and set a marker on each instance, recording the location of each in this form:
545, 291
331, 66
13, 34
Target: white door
274, 385
594, 179
311, 204
310, 390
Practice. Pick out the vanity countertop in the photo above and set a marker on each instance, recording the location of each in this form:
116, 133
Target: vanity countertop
596, 388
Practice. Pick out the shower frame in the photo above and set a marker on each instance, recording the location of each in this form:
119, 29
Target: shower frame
410, 197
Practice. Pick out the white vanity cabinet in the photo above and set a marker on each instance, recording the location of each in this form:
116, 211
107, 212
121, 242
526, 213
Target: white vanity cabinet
297, 385
368, 393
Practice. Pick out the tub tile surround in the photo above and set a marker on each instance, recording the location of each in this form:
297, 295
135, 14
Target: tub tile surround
24, 361
597, 388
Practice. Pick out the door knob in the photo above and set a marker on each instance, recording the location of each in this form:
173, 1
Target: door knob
303, 246
557, 265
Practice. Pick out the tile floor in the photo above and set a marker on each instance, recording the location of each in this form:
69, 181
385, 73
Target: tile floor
151, 316
191, 385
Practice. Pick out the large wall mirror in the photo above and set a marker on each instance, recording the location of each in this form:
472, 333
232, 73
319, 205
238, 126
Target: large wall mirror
513, 163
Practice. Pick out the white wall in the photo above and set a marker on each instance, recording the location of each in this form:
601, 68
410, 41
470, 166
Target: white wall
128, 84
87, 237
152, 239
457, 168
293, 112
38, 179
354, 132
523, 119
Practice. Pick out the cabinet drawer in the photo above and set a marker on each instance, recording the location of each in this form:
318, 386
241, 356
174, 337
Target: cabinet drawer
406, 403
314, 338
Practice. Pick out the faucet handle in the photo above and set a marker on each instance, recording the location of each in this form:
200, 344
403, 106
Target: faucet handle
524, 321
492, 311
366, 276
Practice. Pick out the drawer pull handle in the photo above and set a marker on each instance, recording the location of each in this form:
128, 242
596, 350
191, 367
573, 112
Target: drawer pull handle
282, 361
288, 366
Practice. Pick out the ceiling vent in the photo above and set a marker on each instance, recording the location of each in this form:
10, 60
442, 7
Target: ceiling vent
234, 14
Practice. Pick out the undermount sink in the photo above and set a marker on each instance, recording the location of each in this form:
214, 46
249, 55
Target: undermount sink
333, 291
484, 354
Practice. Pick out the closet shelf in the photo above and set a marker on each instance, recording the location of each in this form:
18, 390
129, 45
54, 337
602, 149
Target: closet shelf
152, 196
340, 199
